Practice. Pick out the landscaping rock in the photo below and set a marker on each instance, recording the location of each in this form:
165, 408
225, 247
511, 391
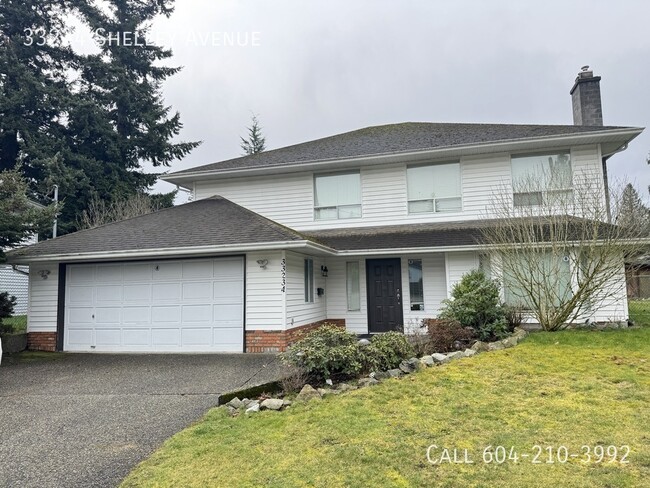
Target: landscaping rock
495, 346
286, 403
307, 393
326, 391
406, 367
380, 375
253, 407
480, 346
439, 358
346, 387
364, 342
232, 411
367, 382
521, 333
427, 361
468, 353
511, 341
395, 373
455, 355
245, 403
272, 404
235, 403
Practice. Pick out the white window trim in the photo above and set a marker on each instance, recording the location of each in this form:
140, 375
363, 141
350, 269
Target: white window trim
337, 207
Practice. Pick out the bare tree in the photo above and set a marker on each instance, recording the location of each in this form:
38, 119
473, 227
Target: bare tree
100, 213
551, 243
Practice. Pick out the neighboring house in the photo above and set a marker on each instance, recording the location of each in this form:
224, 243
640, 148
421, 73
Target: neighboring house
369, 229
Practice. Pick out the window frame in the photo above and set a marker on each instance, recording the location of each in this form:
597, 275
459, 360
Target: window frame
542, 196
309, 280
355, 307
337, 207
420, 304
434, 200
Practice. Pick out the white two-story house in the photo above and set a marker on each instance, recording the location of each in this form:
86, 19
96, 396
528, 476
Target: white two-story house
369, 229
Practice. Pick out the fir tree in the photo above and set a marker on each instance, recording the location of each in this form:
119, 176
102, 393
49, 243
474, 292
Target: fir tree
256, 142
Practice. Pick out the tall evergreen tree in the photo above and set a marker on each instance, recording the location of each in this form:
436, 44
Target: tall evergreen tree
256, 142
631, 211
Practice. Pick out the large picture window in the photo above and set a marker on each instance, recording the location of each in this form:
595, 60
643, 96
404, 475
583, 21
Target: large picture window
352, 286
337, 196
541, 179
434, 188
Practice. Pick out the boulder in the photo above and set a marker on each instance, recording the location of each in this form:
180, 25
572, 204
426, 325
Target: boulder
364, 342
521, 333
479, 346
406, 367
232, 411
380, 375
253, 407
272, 404
367, 382
346, 387
235, 403
308, 393
395, 373
455, 355
427, 361
439, 358
325, 391
495, 346
286, 403
468, 353
511, 341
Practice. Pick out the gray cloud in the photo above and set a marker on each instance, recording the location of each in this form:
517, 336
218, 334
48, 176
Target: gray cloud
325, 67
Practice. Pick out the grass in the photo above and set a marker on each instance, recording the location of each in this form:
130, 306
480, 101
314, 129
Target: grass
640, 311
31, 357
570, 388
18, 323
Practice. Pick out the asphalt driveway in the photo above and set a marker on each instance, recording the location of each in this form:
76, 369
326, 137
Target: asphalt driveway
87, 420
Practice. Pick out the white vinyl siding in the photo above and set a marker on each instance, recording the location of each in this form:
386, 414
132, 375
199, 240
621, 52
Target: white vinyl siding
265, 300
298, 311
43, 298
337, 196
457, 264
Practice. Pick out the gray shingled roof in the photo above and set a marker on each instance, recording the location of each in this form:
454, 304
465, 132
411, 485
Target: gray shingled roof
443, 234
213, 221
393, 139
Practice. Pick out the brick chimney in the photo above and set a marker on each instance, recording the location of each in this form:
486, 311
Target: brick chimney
585, 96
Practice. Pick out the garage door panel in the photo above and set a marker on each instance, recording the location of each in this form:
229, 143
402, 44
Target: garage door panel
80, 315
161, 314
165, 337
136, 337
81, 337
109, 273
196, 313
108, 337
80, 294
225, 291
192, 305
137, 292
167, 291
136, 315
231, 312
197, 290
108, 293
167, 271
197, 336
82, 273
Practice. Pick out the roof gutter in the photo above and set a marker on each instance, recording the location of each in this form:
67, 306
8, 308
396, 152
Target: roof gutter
391, 157
172, 252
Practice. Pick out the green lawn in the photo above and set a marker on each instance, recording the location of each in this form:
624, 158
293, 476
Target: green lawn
569, 389
17, 322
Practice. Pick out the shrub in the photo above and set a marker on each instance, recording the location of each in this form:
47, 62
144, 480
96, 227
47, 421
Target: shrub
514, 316
327, 352
447, 335
294, 380
475, 303
386, 351
7, 303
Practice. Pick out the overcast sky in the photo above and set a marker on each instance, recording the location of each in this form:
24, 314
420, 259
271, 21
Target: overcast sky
311, 69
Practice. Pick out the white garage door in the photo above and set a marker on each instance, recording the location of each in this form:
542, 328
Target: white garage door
180, 306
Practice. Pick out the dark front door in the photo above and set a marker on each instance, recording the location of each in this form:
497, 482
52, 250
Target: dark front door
384, 280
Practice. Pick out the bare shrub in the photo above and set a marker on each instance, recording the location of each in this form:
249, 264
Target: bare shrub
448, 335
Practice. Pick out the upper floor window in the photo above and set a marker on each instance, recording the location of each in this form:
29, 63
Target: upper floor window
541, 179
434, 188
337, 196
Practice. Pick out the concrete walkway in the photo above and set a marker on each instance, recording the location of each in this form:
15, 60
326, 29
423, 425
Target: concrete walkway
88, 419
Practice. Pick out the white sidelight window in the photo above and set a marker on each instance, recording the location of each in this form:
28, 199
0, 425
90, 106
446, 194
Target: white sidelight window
541, 179
352, 285
337, 196
416, 287
434, 188
309, 280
